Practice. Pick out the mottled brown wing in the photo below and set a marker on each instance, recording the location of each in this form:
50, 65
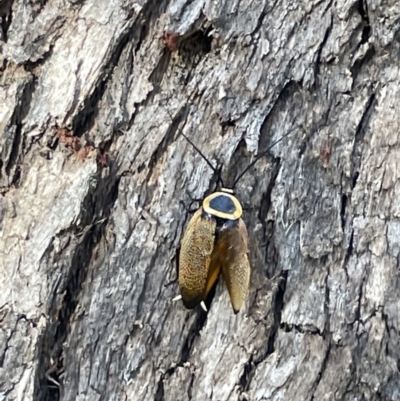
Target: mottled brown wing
194, 258
214, 268
233, 248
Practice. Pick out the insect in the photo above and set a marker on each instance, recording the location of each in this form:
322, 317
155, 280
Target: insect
215, 241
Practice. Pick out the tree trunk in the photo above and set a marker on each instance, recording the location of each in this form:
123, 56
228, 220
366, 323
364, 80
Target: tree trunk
97, 181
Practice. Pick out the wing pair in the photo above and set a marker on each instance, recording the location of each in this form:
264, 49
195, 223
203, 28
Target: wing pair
208, 248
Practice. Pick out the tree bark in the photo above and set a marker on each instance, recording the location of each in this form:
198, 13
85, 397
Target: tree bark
97, 180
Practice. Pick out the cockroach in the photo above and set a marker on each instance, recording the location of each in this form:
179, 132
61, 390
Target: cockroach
215, 240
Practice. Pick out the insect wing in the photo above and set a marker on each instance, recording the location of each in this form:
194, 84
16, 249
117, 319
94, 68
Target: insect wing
195, 257
232, 242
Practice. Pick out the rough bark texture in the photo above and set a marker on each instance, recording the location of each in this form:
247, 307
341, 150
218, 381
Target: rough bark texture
94, 180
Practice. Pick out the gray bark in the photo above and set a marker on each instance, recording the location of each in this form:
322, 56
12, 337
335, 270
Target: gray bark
93, 174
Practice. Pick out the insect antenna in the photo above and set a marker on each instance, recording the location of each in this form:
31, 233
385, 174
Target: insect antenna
260, 156
216, 171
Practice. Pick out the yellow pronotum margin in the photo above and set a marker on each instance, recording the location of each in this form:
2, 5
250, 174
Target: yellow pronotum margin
228, 216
